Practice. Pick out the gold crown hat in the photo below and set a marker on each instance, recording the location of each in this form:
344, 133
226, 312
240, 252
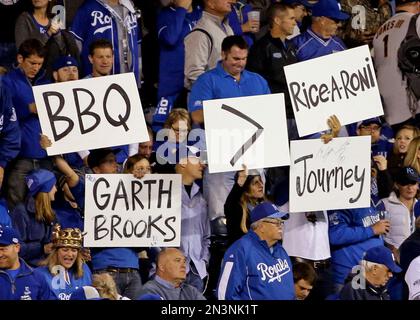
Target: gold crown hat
69, 237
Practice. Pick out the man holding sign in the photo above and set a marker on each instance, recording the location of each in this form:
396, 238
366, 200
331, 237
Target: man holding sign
228, 80
121, 263
101, 56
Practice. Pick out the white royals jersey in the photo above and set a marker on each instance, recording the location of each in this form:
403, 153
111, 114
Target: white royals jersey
305, 239
392, 86
412, 278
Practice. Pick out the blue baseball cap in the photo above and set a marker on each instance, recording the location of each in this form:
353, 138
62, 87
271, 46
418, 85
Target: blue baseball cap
64, 61
267, 210
40, 181
382, 255
86, 293
330, 9
304, 3
150, 296
8, 236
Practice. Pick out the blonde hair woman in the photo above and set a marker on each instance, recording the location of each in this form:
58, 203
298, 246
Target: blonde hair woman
105, 284
247, 192
64, 268
403, 139
412, 159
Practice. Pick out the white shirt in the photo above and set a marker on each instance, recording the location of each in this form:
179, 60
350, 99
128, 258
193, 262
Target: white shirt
412, 278
392, 86
305, 239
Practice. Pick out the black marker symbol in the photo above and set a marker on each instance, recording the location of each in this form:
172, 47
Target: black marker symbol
251, 140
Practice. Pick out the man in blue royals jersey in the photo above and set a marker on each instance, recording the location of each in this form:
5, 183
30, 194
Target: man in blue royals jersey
174, 23
256, 267
17, 279
9, 131
320, 40
116, 21
352, 232
228, 79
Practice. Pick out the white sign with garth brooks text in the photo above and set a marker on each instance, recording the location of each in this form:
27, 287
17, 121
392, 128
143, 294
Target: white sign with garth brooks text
122, 211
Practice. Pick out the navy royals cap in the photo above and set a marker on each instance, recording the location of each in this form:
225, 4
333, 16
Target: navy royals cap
330, 9
407, 175
267, 210
304, 3
382, 255
8, 236
64, 61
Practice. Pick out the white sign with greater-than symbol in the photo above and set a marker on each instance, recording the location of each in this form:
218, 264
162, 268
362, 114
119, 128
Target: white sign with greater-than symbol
247, 130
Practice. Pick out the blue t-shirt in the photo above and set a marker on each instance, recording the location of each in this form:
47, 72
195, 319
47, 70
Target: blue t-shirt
218, 84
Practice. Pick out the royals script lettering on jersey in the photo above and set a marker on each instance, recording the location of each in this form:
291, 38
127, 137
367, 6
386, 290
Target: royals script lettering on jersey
273, 272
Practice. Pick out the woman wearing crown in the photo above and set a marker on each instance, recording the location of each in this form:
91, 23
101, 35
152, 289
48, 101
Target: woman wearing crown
65, 269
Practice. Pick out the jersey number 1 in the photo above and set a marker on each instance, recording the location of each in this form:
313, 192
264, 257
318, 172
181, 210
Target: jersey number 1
385, 40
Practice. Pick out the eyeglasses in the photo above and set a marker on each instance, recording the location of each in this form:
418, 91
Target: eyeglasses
368, 128
147, 170
277, 223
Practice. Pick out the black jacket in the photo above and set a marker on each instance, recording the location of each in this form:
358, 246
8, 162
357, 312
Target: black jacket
368, 293
233, 213
410, 249
57, 46
268, 56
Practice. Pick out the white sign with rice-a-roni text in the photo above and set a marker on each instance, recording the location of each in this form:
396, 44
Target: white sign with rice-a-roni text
330, 176
91, 113
343, 83
122, 211
248, 130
